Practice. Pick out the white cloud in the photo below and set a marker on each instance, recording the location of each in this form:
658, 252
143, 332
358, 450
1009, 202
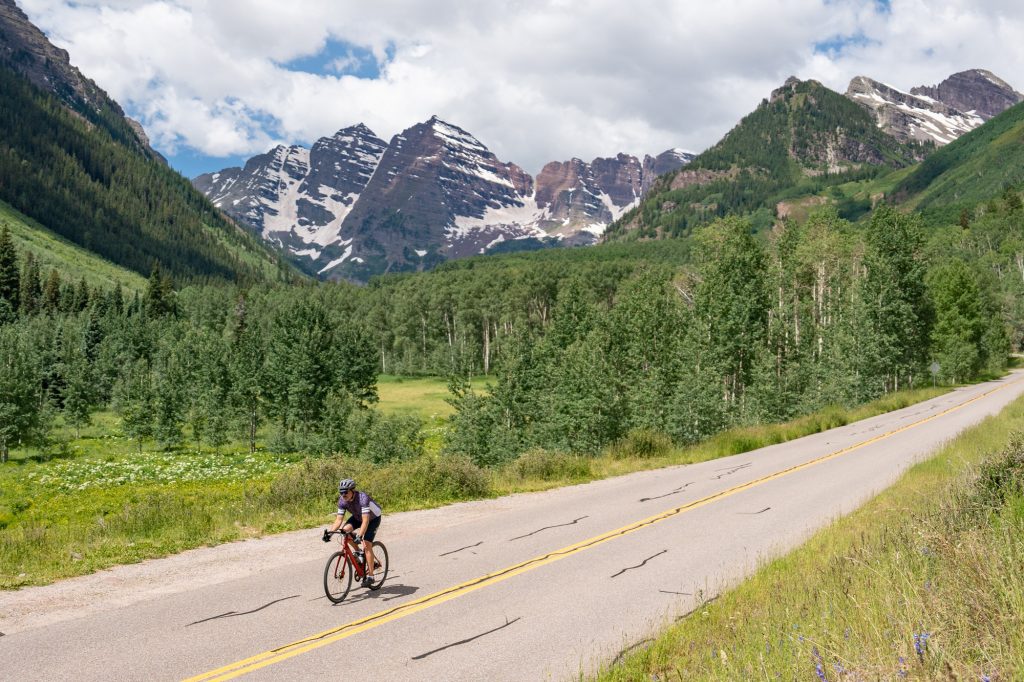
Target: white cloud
535, 80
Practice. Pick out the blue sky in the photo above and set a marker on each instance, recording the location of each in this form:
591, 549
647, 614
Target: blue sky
215, 83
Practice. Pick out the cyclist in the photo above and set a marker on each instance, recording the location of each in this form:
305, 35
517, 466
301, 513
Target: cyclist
363, 512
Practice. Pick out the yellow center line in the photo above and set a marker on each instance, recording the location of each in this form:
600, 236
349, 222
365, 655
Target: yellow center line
326, 637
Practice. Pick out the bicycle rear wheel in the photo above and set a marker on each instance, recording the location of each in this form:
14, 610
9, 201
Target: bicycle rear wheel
337, 577
380, 558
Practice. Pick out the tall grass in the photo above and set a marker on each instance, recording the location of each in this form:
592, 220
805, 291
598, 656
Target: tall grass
924, 582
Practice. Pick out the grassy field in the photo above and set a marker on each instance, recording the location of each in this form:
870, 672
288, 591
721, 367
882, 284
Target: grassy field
94, 501
423, 397
924, 582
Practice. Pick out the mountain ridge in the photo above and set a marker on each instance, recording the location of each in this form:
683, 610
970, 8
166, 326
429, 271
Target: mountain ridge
433, 193
935, 114
803, 136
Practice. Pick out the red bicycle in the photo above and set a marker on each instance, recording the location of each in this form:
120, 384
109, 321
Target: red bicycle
349, 562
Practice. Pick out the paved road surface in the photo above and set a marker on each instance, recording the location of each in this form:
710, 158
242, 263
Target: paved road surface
528, 587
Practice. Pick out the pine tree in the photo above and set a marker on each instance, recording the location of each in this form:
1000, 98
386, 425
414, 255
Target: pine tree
133, 398
9, 276
51, 294
23, 417
31, 287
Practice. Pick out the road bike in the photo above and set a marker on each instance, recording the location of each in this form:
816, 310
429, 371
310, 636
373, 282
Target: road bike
350, 562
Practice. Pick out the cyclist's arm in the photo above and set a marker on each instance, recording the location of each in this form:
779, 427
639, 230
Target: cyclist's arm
338, 520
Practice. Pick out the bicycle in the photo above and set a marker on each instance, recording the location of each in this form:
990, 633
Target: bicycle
347, 562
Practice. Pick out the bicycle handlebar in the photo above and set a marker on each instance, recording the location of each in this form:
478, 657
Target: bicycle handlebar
352, 534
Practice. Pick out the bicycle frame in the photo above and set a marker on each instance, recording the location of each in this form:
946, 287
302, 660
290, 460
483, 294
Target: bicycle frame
347, 545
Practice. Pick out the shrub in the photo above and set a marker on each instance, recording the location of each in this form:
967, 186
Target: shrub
314, 482
642, 443
548, 465
382, 438
429, 479
999, 478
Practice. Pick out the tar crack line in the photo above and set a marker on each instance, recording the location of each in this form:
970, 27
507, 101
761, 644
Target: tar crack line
640, 565
462, 548
732, 470
755, 513
467, 640
674, 492
631, 647
231, 614
561, 525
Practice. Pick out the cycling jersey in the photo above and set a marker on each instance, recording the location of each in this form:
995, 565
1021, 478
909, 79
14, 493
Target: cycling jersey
361, 503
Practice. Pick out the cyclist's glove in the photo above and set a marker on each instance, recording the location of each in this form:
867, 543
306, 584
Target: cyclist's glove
327, 535
357, 538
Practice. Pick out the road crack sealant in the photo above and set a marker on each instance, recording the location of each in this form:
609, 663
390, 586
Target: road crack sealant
461, 548
467, 640
560, 525
668, 494
641, 564
232, 614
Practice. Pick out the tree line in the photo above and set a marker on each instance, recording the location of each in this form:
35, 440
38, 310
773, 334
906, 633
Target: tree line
580, 348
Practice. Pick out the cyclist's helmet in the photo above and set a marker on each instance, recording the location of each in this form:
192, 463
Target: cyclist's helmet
346, 484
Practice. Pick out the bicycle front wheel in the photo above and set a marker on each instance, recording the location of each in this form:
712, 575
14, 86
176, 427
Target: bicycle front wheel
380, 560
337, 577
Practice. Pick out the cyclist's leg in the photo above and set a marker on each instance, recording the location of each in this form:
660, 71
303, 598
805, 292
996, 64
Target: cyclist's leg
371, 533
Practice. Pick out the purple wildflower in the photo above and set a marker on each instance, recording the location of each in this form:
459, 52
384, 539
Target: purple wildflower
921, 643
820, 672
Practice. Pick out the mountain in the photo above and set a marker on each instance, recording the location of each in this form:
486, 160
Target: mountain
352, 206
665, 162
937, 114
974, 91
73, 163
802, 139
294, 197
27, 51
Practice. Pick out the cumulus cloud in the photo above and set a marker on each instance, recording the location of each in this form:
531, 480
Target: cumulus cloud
535, 80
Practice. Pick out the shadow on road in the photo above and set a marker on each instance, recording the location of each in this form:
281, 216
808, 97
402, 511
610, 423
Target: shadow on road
389, 592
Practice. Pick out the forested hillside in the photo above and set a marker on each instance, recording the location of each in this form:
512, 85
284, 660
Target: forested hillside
802, 140
980, 165
95, 185
73, 262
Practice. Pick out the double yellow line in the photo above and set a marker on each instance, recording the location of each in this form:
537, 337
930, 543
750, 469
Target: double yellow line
326, 637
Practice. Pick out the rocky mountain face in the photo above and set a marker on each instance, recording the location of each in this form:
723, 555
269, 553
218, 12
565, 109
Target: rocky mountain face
26, 50
298, 198
353, 206
665, 162
937, 114
977, 90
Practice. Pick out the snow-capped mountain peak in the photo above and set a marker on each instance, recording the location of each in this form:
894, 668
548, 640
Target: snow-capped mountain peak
938, 114
352, 206
295, 197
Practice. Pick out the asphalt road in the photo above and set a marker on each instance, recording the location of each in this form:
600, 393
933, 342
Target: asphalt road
528, 587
